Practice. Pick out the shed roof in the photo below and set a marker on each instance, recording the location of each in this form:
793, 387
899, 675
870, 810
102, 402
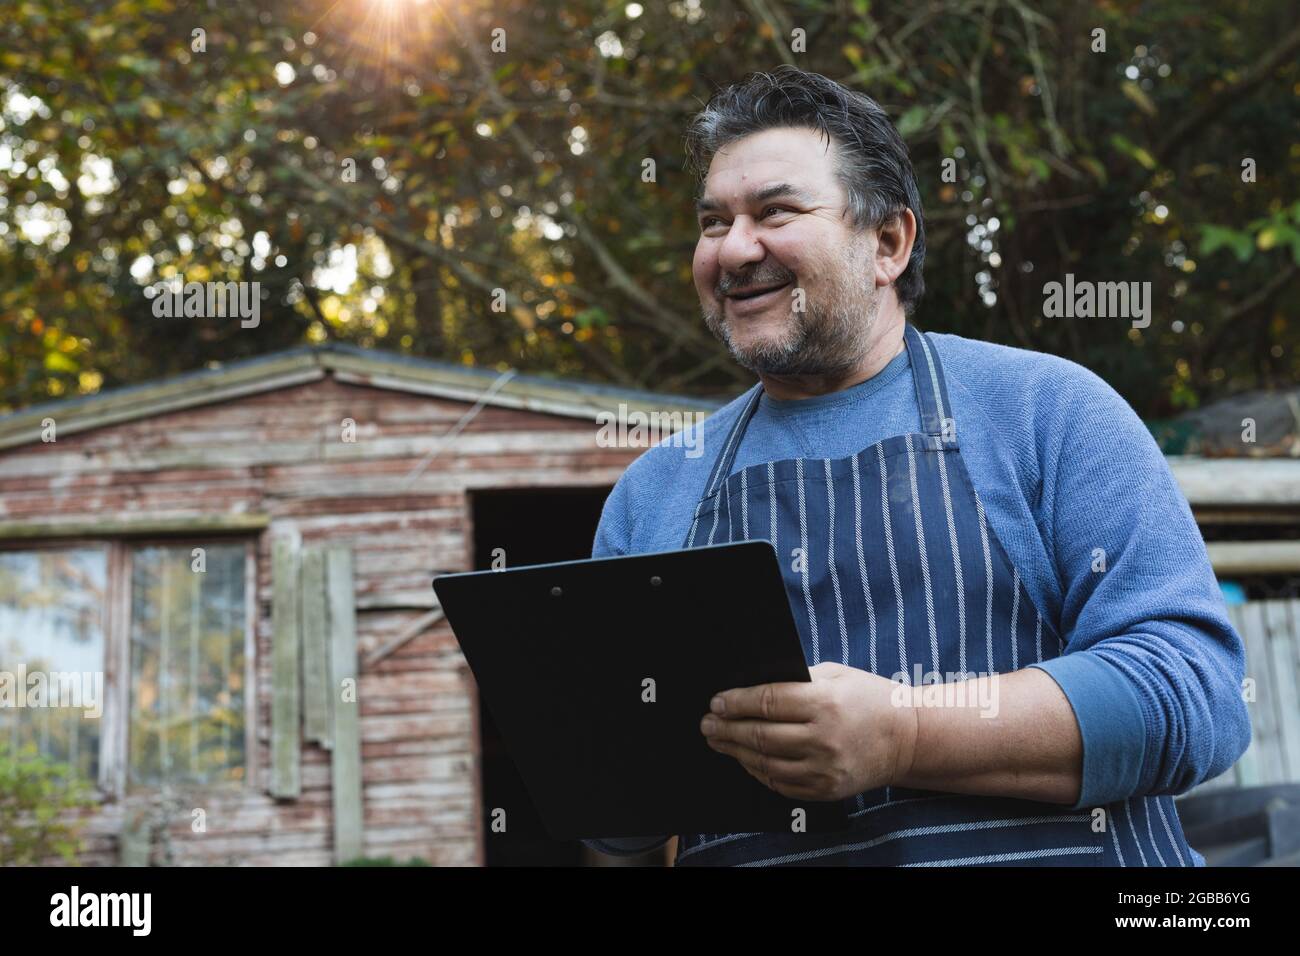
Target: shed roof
346, 363
1269, 483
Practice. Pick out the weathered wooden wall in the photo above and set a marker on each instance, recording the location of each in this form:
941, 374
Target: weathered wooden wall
1270, 629
281, 454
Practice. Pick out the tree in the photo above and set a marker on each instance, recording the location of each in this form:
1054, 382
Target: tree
500, 214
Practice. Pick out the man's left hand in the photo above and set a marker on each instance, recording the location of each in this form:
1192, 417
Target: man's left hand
845, 732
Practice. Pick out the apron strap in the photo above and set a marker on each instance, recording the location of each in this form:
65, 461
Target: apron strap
937, 422
722, 468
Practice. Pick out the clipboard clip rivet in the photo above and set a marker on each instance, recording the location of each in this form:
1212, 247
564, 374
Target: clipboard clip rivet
556, 592
655, 581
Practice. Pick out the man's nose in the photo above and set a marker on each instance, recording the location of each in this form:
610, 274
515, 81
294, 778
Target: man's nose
741, 246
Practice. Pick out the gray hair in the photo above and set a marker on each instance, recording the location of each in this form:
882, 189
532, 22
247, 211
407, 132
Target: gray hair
870, 157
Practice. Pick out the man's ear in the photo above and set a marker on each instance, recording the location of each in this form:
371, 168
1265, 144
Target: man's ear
894, 247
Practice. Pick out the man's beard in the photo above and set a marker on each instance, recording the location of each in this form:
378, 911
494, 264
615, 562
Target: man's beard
830, 337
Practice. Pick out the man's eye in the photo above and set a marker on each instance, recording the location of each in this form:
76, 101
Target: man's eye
712, 220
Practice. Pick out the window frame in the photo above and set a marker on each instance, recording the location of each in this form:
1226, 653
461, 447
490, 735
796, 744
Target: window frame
115, 622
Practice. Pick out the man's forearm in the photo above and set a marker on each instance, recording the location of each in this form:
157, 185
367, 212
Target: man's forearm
1027, 746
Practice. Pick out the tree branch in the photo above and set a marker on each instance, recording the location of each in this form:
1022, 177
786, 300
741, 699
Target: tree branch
1230, 95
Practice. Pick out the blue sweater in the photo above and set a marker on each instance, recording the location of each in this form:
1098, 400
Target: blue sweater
1152, 666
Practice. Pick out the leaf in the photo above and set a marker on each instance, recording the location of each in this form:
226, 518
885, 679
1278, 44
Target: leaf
589, 317
1214, 238
1139, 98
58, 362
1094, 166
1279, 235
1128, 148
912, 120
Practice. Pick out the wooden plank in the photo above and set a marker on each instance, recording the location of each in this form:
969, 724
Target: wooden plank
285, 644
1254, 557
1295, 633
144, 524
560, 398
1262, 760
317, 699
159, 397
345, 765
398, 600
1281, 620
509, 450
334, 481
195, 638
227, 655
1245, 771
134, 840
252, 768
117, 673
416, 627
1210, 514
1240, 770
164, 671
1237, 481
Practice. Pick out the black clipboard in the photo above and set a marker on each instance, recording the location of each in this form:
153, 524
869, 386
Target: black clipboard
562, 653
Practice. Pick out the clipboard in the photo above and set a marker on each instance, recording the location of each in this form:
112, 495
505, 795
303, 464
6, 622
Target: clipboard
598, 672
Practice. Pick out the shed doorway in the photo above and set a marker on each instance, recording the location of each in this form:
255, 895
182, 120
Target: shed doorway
534, 526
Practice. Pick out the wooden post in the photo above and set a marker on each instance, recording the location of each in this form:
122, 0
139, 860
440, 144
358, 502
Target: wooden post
345, 765
316, 675
286, 778
134, 840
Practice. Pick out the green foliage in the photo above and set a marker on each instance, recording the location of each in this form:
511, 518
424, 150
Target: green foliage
1218, 237
521, 170
38, 804
1279, 230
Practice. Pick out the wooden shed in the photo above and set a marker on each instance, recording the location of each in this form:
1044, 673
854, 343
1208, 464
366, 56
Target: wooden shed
245, 554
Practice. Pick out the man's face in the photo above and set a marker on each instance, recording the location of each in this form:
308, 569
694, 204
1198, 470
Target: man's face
774, 217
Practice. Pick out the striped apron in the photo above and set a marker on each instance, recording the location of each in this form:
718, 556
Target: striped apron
901, 575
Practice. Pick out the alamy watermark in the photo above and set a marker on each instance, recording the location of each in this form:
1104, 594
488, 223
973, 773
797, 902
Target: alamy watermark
173, 299
130, 910
953, 689
1100, 300
84, 689
638, 429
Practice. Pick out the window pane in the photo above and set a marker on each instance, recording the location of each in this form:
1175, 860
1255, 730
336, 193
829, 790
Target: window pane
52, 653
187, 665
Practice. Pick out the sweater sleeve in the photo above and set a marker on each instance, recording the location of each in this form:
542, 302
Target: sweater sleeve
1152, 666
613, 531
613, 538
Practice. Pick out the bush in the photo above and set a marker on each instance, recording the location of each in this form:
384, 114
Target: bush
34, 794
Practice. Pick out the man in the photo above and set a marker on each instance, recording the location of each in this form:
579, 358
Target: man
944, 510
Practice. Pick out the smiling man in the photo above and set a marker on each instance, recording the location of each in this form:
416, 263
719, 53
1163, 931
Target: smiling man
993, 518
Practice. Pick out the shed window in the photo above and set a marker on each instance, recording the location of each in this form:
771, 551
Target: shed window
187, 665
129, 660
52, 653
